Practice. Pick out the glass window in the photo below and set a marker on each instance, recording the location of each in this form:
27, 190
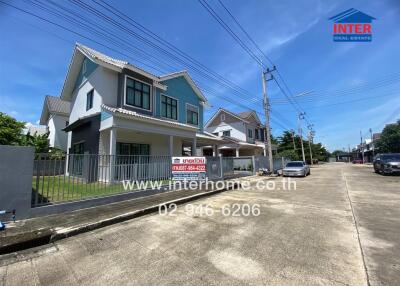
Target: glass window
226, 133
169, 107
89, 99
250, 132
137, 94
256, 134
192, 116
133, 149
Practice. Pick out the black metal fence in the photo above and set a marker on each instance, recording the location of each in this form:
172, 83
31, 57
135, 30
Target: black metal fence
76, 177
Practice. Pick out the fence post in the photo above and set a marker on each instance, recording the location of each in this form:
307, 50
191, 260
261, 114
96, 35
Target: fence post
221, 167
283, 162
253, 161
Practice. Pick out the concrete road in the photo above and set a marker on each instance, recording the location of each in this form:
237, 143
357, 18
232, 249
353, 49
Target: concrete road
341, 226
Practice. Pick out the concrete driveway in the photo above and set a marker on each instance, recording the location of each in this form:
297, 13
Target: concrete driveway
341, 226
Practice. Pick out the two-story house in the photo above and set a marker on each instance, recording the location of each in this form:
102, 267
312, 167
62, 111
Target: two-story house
120, 109
55, 115
244, 132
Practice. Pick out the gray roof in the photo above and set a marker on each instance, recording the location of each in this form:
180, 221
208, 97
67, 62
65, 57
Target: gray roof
57, 105
245, 114
54, 105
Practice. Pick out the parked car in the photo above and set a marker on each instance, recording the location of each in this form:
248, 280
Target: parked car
387, 163
297, 169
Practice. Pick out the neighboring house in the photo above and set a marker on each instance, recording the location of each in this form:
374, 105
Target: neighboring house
120, 109
243, 132
35, 130
55, 114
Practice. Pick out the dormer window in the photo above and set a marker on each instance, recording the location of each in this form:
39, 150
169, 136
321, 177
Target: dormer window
137, 94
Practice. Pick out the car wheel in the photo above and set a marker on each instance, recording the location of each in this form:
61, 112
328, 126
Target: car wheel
309, 172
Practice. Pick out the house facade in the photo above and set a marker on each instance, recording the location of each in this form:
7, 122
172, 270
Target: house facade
243, 133
119, 109
55, 116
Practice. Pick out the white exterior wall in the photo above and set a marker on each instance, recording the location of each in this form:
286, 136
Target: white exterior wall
57, 137
105, 84
238, 129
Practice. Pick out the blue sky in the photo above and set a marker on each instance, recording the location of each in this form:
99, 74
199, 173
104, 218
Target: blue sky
296, 35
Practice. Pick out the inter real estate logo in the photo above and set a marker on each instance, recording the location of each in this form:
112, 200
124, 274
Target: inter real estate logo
352, 26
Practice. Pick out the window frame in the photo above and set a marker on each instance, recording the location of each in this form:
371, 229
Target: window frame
91, 92
198, 114
250, 133
177, 107
226, 131
134, 89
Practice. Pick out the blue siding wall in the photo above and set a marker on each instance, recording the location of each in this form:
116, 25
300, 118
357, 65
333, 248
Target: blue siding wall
90, 67
180, 89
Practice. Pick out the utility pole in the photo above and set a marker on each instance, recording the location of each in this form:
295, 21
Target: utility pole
310, 139
267, 109
362, 146
349, 153
372, 144
294, 144
301, 116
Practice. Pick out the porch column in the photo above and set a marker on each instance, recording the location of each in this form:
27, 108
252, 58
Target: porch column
265, 151
113, 141
113, 151
215, 150
171, 145
194, 144
237, 152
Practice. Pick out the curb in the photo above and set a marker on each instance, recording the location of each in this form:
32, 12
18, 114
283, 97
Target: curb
51, 236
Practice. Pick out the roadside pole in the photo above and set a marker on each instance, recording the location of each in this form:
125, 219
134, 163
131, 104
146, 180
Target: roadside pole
294, 144
267, 109
372, 144
301, 116
309, 145
362, 147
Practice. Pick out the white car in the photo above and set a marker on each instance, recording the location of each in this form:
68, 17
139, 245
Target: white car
296, 169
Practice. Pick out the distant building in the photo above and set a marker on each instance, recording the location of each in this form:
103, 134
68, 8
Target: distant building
54, 116
243, 133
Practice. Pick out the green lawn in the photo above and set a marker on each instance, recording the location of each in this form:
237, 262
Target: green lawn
60, 189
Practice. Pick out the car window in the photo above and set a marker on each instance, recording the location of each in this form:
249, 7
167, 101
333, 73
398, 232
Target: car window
294, 164
391, 158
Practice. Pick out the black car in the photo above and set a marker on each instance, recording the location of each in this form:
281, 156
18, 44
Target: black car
387, 163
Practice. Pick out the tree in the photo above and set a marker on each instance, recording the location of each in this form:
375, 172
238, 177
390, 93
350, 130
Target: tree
10, 130
390, 139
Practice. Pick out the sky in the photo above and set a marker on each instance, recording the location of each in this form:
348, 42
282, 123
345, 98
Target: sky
343, 87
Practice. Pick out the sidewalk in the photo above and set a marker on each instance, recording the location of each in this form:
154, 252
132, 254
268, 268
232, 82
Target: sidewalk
42, 230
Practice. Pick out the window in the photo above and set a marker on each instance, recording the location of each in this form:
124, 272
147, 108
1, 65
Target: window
89, 99
226, 133
223, 117
137, 94
215, 133
169, 107
78, 148
84, 66
256, 134
66, 123
192, 115
250, 133
133, 149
